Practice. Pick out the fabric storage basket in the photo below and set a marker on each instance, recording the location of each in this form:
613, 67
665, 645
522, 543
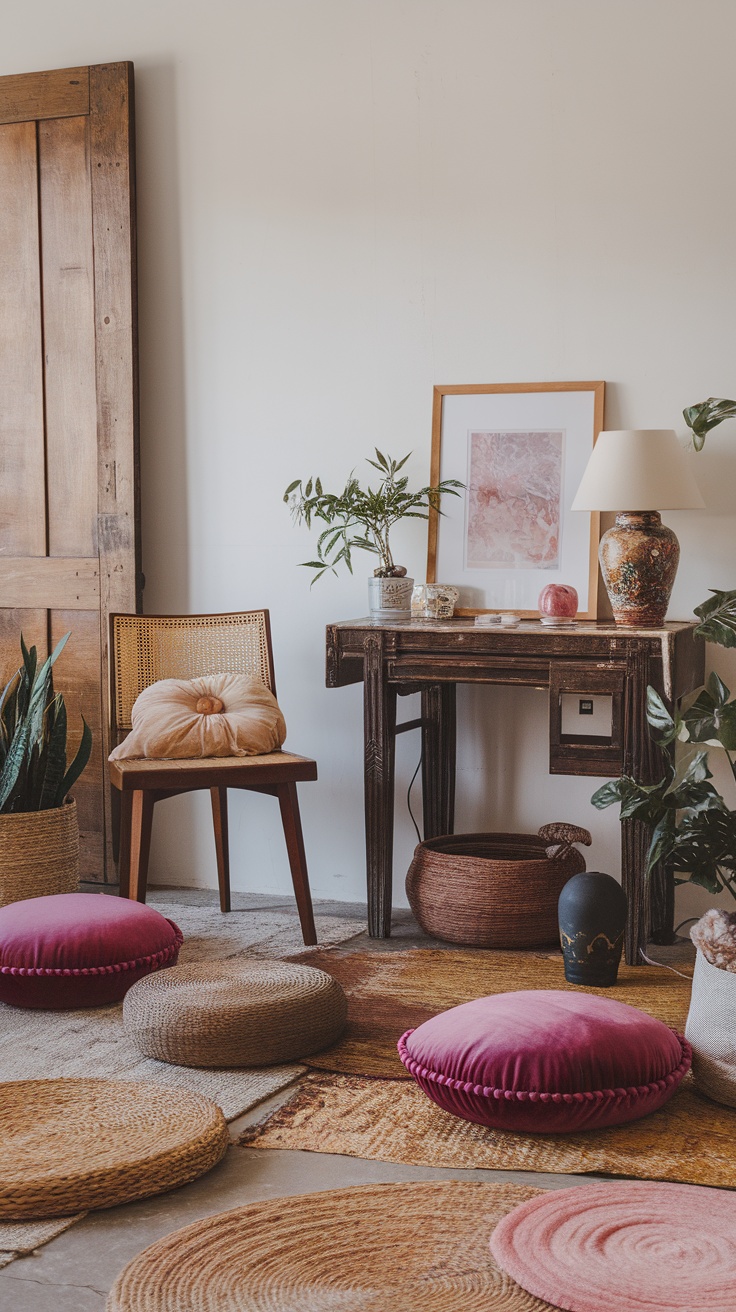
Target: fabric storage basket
493, 890
39, 853
711, 1029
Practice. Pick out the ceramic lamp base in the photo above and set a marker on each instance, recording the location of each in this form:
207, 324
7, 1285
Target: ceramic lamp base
639, 558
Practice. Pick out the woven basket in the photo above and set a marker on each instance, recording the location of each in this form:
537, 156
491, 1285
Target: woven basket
494, 890
39, 853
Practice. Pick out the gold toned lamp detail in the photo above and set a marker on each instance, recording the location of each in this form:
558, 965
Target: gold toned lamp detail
638, 468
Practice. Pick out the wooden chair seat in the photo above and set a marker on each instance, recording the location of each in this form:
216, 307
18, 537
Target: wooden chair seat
235, 771
147, 648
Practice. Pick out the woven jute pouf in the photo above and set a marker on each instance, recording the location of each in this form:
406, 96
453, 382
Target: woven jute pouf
39, 853
235, 1013
380, 1248
73, 1145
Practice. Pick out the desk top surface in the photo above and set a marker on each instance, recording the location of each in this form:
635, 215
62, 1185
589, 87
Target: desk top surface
466, 624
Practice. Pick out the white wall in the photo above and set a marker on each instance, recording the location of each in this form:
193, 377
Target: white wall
343, 202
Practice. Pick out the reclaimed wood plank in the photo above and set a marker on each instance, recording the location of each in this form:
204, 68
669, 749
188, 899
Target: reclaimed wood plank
56, 93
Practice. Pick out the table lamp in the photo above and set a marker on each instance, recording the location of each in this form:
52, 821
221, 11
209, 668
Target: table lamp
638, 468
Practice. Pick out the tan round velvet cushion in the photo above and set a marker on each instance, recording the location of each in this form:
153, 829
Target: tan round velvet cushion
216, 715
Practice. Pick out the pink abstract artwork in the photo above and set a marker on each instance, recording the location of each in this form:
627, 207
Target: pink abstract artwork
514, 504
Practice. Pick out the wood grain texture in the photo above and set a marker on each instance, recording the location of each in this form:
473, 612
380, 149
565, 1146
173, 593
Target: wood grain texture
22, 485
69, 337
77, 675
57, 93
46, 581
112, 144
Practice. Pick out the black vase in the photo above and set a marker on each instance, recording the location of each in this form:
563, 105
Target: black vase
591, 914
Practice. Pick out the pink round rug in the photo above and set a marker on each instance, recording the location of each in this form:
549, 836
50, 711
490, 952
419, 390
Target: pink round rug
636, 1246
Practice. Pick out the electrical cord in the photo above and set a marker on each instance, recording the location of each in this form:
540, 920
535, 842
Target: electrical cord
408, 798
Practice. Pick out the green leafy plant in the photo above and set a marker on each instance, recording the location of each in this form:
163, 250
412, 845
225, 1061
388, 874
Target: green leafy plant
706, 415
33, 768
691, 823
363, 517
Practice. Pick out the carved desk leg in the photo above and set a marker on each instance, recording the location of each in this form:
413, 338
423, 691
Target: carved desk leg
379, 719
438, 758
642, 760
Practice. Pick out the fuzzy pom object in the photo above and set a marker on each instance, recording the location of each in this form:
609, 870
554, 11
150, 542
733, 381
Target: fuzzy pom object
715, 936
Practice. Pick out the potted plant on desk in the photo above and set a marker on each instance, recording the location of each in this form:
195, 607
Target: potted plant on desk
362, 518
39, 834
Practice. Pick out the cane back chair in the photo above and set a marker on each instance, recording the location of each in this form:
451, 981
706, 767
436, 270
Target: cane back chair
146, 648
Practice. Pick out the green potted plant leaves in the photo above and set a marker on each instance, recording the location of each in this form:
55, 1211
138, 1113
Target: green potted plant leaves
361, 519
39, 834
691, 822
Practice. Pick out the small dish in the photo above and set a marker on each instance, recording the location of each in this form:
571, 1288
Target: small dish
558, 621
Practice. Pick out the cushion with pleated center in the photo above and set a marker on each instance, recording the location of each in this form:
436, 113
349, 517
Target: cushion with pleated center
236, 1012
546, 1060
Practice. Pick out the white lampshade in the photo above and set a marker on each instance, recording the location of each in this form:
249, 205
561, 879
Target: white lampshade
638, 469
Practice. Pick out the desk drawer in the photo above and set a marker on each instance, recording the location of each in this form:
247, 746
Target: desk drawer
579, 753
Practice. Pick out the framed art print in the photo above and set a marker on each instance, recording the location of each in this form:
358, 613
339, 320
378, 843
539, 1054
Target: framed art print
521, 450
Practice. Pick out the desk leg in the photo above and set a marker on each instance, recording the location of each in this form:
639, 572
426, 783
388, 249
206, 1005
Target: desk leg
438, 758
643, 761
379, 722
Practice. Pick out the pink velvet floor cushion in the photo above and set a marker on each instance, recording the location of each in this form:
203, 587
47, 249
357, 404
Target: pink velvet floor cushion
632, 1246
80, 949
546, 1061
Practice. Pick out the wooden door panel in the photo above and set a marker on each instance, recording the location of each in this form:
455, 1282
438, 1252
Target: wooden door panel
69, 336
69, 520
77, 674
22, 473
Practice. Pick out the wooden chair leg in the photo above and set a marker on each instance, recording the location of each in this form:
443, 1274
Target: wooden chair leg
125, 809
291, 821
143, 801
219, 820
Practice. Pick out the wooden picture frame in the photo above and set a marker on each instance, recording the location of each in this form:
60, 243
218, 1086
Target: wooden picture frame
548, 543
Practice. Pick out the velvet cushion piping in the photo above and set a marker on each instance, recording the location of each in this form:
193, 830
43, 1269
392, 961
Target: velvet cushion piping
518, 1039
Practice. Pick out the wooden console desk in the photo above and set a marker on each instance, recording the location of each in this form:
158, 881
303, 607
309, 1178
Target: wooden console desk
392, 658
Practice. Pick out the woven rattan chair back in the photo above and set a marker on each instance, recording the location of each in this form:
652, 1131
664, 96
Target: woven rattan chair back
146, 648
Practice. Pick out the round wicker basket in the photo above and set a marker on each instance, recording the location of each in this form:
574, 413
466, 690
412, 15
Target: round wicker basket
39, 853
494, 890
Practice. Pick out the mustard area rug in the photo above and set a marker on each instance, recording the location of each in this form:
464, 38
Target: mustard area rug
342, 1107
377, 1248
690, 1140
391, 992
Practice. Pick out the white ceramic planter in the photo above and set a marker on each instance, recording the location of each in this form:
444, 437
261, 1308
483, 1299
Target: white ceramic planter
390, 599
711, 1029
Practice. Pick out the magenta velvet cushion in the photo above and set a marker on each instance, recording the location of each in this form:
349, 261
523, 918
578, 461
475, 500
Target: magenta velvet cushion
546, 1060
80, 949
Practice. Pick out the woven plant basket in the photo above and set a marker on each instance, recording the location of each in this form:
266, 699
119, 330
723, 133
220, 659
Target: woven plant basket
494, 890
39, 853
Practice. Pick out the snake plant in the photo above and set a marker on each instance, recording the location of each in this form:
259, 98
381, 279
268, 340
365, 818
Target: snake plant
33, 769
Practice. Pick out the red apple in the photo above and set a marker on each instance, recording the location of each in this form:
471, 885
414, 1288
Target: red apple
558, 600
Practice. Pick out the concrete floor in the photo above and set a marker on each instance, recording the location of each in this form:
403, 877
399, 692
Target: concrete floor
75, 1271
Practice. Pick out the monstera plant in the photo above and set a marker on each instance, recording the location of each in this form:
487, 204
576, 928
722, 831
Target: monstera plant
692, 824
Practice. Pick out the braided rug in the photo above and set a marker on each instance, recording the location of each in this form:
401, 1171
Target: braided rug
378, 1248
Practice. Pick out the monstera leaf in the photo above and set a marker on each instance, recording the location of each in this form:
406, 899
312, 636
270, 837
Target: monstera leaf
706, 849
717, 618
706, 415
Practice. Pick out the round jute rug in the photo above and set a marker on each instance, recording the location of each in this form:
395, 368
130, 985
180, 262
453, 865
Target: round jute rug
73, 1145
634, 1246
380, 1248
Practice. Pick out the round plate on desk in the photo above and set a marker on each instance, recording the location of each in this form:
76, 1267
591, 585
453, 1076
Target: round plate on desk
557, 621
